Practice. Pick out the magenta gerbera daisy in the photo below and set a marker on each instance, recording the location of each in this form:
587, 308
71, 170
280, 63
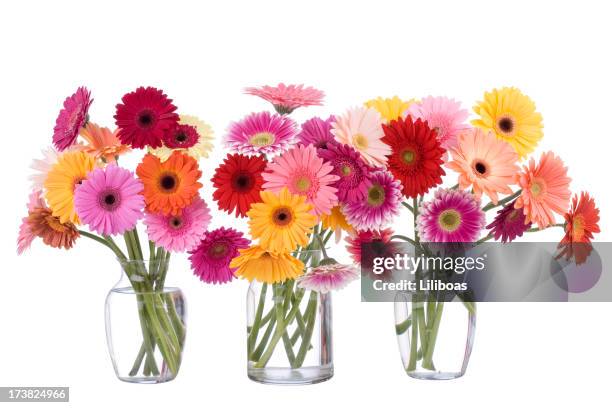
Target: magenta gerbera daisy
451, 216
317, 132
210, 260
71, 118
287, 98
182, 231
327, 277
352, 171
444, 115
304, 173
509, 224
261, 132
181, 137
379, 205
144, 117
109, 201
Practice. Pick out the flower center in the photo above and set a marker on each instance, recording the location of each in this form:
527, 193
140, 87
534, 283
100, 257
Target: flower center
408, 156
242, 182
449, 220
577, 228
361, 142
282, 216
262, 139
168, 183
376, 195
480, 168
512, 215
146, 118
302, 184
346, 170
180, 137
537, 188
505, 124
109, 199
218, 250
175, 222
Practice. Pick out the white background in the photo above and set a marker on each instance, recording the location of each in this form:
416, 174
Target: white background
51, 302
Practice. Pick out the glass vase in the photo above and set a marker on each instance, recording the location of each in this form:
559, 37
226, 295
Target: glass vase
439, 345
289, 331
145, 324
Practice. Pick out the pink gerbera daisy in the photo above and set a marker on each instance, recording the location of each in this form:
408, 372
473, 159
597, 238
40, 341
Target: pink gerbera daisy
179, 232
380, 204
327, 277
317, 132
42, 166
452, 216
26, 235
71, 118
109, 201
361, 128
509, 224
306, 174
352, 171
287, 98
261, 133
545, 190
444, 115
210, 260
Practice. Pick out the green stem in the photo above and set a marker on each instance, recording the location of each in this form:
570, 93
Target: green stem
311, 319
491, 205
404, 238
408, 206
257, 323
431, 342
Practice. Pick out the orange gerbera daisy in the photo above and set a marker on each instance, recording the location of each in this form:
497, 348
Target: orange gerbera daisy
49, 228
581, 222
171, 185
102, 143
545, 189
484, 162
337, 222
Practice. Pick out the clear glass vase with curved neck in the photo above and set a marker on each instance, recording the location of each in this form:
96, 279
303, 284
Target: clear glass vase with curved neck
145, 324
289, 331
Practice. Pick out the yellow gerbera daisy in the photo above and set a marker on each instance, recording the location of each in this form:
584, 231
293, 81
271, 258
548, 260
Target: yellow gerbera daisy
196, 149
389, 108
70, 170
512, 117
337, 222
264, 266
281, 221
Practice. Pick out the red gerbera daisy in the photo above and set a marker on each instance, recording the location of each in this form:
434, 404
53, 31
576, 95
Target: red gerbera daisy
416, 155
144, 117
238, 182
581, 222
364, 246
181, 137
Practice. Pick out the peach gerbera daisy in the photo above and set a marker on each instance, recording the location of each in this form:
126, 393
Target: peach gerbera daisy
361, 129
485, 163
102, 143
545, 190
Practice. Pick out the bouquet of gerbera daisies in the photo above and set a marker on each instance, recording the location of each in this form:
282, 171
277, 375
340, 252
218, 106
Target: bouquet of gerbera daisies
79, 183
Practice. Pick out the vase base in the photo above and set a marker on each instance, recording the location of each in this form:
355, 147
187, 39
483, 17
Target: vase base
146, 380
291, 376
434, 375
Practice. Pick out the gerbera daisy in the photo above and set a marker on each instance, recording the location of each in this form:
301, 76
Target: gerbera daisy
390, 108
336, 221
451, 216
415, 158
509, 224
26, 236
304, 173
42, 167
237, 182
351, 170
144, 116
281, 221
355, 242
261, 132
266, 266
381, 203
443, 115
102, 143
360, 128
69, 171
545, 189
364, 246
71, 118
171, 185
53, 232
512, 117
191, 136
327, 277
485, 163
109, 201
317, 132
287, 98
182, 231
581, 222
210, 260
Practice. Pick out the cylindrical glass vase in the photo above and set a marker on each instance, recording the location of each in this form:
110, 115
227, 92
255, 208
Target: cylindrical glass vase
145, 325
289, 333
